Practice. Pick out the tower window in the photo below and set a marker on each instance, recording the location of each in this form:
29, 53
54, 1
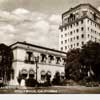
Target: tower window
82, 28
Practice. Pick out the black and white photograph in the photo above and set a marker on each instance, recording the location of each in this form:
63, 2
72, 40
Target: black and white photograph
49, 46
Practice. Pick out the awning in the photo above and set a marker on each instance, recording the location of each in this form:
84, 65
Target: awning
43, 73
31, 71
49, 73
23, 71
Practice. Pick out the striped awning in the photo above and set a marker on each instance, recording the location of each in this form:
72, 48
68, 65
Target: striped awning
31, 71
24, 71
43, 73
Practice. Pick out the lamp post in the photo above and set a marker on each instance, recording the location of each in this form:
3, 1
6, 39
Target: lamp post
36, 61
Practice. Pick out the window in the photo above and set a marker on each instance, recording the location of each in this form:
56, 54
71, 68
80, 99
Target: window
61, 29
77, 37
43, 58
77, 44
77, 23
65, 28
91, 30
51, 58
82, 43
77, 30
65, 34
71, 46
71, 33
62, 36
61, 42
58, 60
61, 48
43, 75
65, 41
81, 21
88, 28
31, 73
82, 28
71, 39
71, 26
88, 35
82, 35
29, 57
65, 47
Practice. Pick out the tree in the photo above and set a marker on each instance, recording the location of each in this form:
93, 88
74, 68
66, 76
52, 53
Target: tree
90, 59
73, 66
56, 79
6, 57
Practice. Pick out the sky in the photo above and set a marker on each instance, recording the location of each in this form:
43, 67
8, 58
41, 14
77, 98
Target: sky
34, 21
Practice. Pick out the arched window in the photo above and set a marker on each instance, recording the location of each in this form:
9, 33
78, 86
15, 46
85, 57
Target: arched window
49, 73
31, 73
43, 75
24, 73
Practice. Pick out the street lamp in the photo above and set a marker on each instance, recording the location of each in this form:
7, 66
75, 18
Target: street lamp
36, 61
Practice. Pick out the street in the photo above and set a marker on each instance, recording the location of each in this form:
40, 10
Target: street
52, 90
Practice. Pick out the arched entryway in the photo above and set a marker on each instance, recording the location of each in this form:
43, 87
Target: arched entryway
31, 73
23, 73
43, 73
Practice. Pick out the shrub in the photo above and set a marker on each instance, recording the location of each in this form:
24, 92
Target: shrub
30, 82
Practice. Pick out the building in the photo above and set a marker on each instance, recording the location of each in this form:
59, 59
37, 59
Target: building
79, 25
48, 61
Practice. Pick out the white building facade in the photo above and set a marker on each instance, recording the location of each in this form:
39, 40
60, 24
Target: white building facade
79, 25
49, 61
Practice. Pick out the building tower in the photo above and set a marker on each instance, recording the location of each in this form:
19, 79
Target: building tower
79, 25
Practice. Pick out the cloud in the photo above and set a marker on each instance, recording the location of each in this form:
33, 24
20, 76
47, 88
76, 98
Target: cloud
32, 27
20, 11
55, 19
